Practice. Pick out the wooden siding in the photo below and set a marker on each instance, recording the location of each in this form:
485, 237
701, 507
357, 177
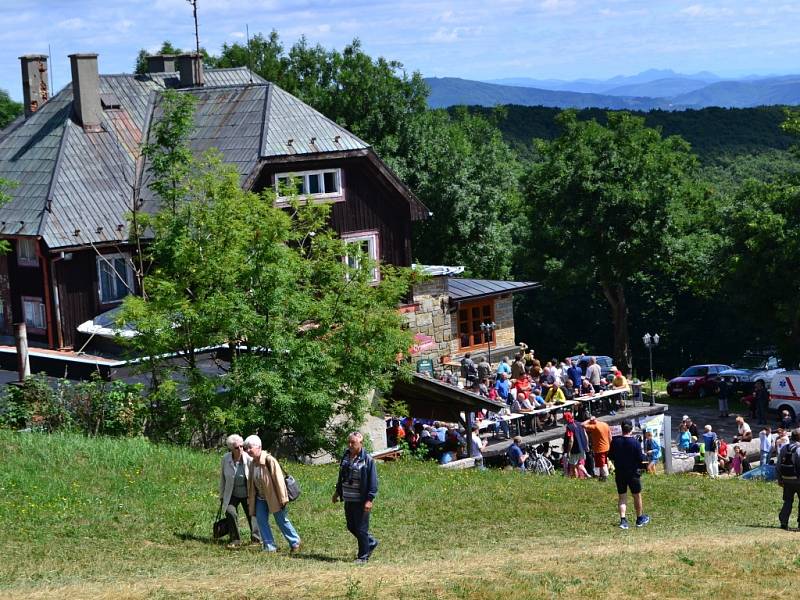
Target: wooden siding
76, 280
24, 281
370, 204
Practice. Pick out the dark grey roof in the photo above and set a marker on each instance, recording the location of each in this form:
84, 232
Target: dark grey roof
473, 289
75, 188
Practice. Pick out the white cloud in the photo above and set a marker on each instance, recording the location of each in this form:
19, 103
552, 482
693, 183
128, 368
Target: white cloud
448, 35
72, 24
239, 35
557, 5
701, 10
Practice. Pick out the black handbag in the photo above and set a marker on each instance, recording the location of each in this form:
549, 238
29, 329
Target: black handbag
220, 528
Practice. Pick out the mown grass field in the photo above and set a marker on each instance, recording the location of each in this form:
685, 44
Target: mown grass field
102, 518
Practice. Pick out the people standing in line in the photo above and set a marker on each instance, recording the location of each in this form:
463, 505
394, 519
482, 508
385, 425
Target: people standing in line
594, 373
233, 477
357, 487
477, 446
652, 450
600, 438
761, 400
266, 494
789, 478
626, 452
516, 455
765, 442
710, 443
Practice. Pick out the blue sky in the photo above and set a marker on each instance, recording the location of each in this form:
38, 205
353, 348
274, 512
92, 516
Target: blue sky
476, 39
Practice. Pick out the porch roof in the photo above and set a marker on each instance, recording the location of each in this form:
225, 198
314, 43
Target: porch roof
460, 290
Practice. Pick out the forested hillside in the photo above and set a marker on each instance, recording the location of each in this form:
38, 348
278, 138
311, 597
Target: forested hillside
713, 133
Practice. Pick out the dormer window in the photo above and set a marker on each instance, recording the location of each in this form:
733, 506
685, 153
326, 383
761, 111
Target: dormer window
325, 183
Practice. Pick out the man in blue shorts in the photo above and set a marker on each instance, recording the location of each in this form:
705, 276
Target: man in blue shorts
626, 452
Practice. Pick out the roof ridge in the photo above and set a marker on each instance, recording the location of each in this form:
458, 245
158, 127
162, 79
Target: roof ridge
48, 201
265, 120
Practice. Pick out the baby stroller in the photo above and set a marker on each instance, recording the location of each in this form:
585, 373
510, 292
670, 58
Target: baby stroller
538, 463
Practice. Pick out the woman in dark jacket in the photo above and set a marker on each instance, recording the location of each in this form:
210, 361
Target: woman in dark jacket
357, 487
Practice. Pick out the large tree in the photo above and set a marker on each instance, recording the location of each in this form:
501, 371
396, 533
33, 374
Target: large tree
468, 177
227, 267
600, 202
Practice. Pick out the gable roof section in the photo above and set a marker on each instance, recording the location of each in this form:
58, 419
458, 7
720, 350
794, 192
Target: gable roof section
288, 118
460, 290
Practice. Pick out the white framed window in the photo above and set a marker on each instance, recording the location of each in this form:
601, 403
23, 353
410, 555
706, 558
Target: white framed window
26, 253
114, 277
326, 183
363, 244
34, 313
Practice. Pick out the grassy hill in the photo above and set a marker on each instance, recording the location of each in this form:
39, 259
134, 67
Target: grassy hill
103, 518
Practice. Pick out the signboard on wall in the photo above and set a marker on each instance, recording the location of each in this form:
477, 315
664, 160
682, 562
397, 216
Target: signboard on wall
422, 343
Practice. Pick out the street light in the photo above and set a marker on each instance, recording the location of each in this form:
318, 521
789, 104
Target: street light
651, 341
487, 329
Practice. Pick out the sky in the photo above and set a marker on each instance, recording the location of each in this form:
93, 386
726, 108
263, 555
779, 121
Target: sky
472, 39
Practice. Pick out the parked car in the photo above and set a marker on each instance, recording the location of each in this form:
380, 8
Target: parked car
606, 364
696, 381
785, 393
751, 368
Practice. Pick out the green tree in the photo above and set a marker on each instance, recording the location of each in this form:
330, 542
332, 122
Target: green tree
141, 58
467, 176
9, 110
228, 268
600, 202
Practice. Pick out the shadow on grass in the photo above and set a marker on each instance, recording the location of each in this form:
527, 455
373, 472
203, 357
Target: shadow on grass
758, 526
319, 557
190, 537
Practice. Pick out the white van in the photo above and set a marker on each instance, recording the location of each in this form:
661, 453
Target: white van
784, 393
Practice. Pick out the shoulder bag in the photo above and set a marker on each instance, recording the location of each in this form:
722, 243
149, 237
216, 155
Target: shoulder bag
220, 528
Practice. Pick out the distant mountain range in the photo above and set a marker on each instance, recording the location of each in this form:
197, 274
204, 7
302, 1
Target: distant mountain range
652, 89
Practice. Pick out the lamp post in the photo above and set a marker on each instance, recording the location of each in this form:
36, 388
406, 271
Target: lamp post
651, 341
488, 329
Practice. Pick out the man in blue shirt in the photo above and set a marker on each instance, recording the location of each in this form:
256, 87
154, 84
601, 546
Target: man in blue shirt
516, 456
504, 367
502, 386
626, 452
574, 372
711, 444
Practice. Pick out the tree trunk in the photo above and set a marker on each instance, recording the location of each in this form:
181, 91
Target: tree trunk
615, 294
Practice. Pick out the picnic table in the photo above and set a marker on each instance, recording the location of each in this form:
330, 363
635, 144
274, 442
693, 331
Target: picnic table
512, 419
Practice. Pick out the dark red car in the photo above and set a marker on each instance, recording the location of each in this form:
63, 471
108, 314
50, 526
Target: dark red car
696, 381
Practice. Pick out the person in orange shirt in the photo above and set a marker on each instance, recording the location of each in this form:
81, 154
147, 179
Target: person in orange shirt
600, 438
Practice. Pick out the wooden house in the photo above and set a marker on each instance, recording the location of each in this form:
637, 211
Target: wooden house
75, 162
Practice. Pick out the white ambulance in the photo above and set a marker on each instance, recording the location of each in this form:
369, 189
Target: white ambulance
784, 393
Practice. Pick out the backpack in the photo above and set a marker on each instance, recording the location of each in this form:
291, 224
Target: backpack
787, 466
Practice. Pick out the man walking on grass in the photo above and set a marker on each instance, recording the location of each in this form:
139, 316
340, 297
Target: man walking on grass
789, 478
626, 452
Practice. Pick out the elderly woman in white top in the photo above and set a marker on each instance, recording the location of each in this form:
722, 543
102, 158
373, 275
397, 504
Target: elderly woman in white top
233, 478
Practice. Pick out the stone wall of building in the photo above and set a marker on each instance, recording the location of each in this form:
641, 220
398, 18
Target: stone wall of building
431, 315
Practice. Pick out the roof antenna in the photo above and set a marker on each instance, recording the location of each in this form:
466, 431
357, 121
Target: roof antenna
50, 68
249, 53
196, 64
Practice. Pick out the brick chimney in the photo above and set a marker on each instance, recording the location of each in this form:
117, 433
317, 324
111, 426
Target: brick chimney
191, 69
34, 82
86, 91
161, 63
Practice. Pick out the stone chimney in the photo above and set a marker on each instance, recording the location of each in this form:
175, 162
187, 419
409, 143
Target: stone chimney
34, 82
161, 63
86, 91
191, 69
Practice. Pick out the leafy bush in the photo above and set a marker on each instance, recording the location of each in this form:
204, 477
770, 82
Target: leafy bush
94, 407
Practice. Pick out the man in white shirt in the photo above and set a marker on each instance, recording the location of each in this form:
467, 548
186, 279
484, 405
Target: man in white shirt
477, 446
745, 433
594, 373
